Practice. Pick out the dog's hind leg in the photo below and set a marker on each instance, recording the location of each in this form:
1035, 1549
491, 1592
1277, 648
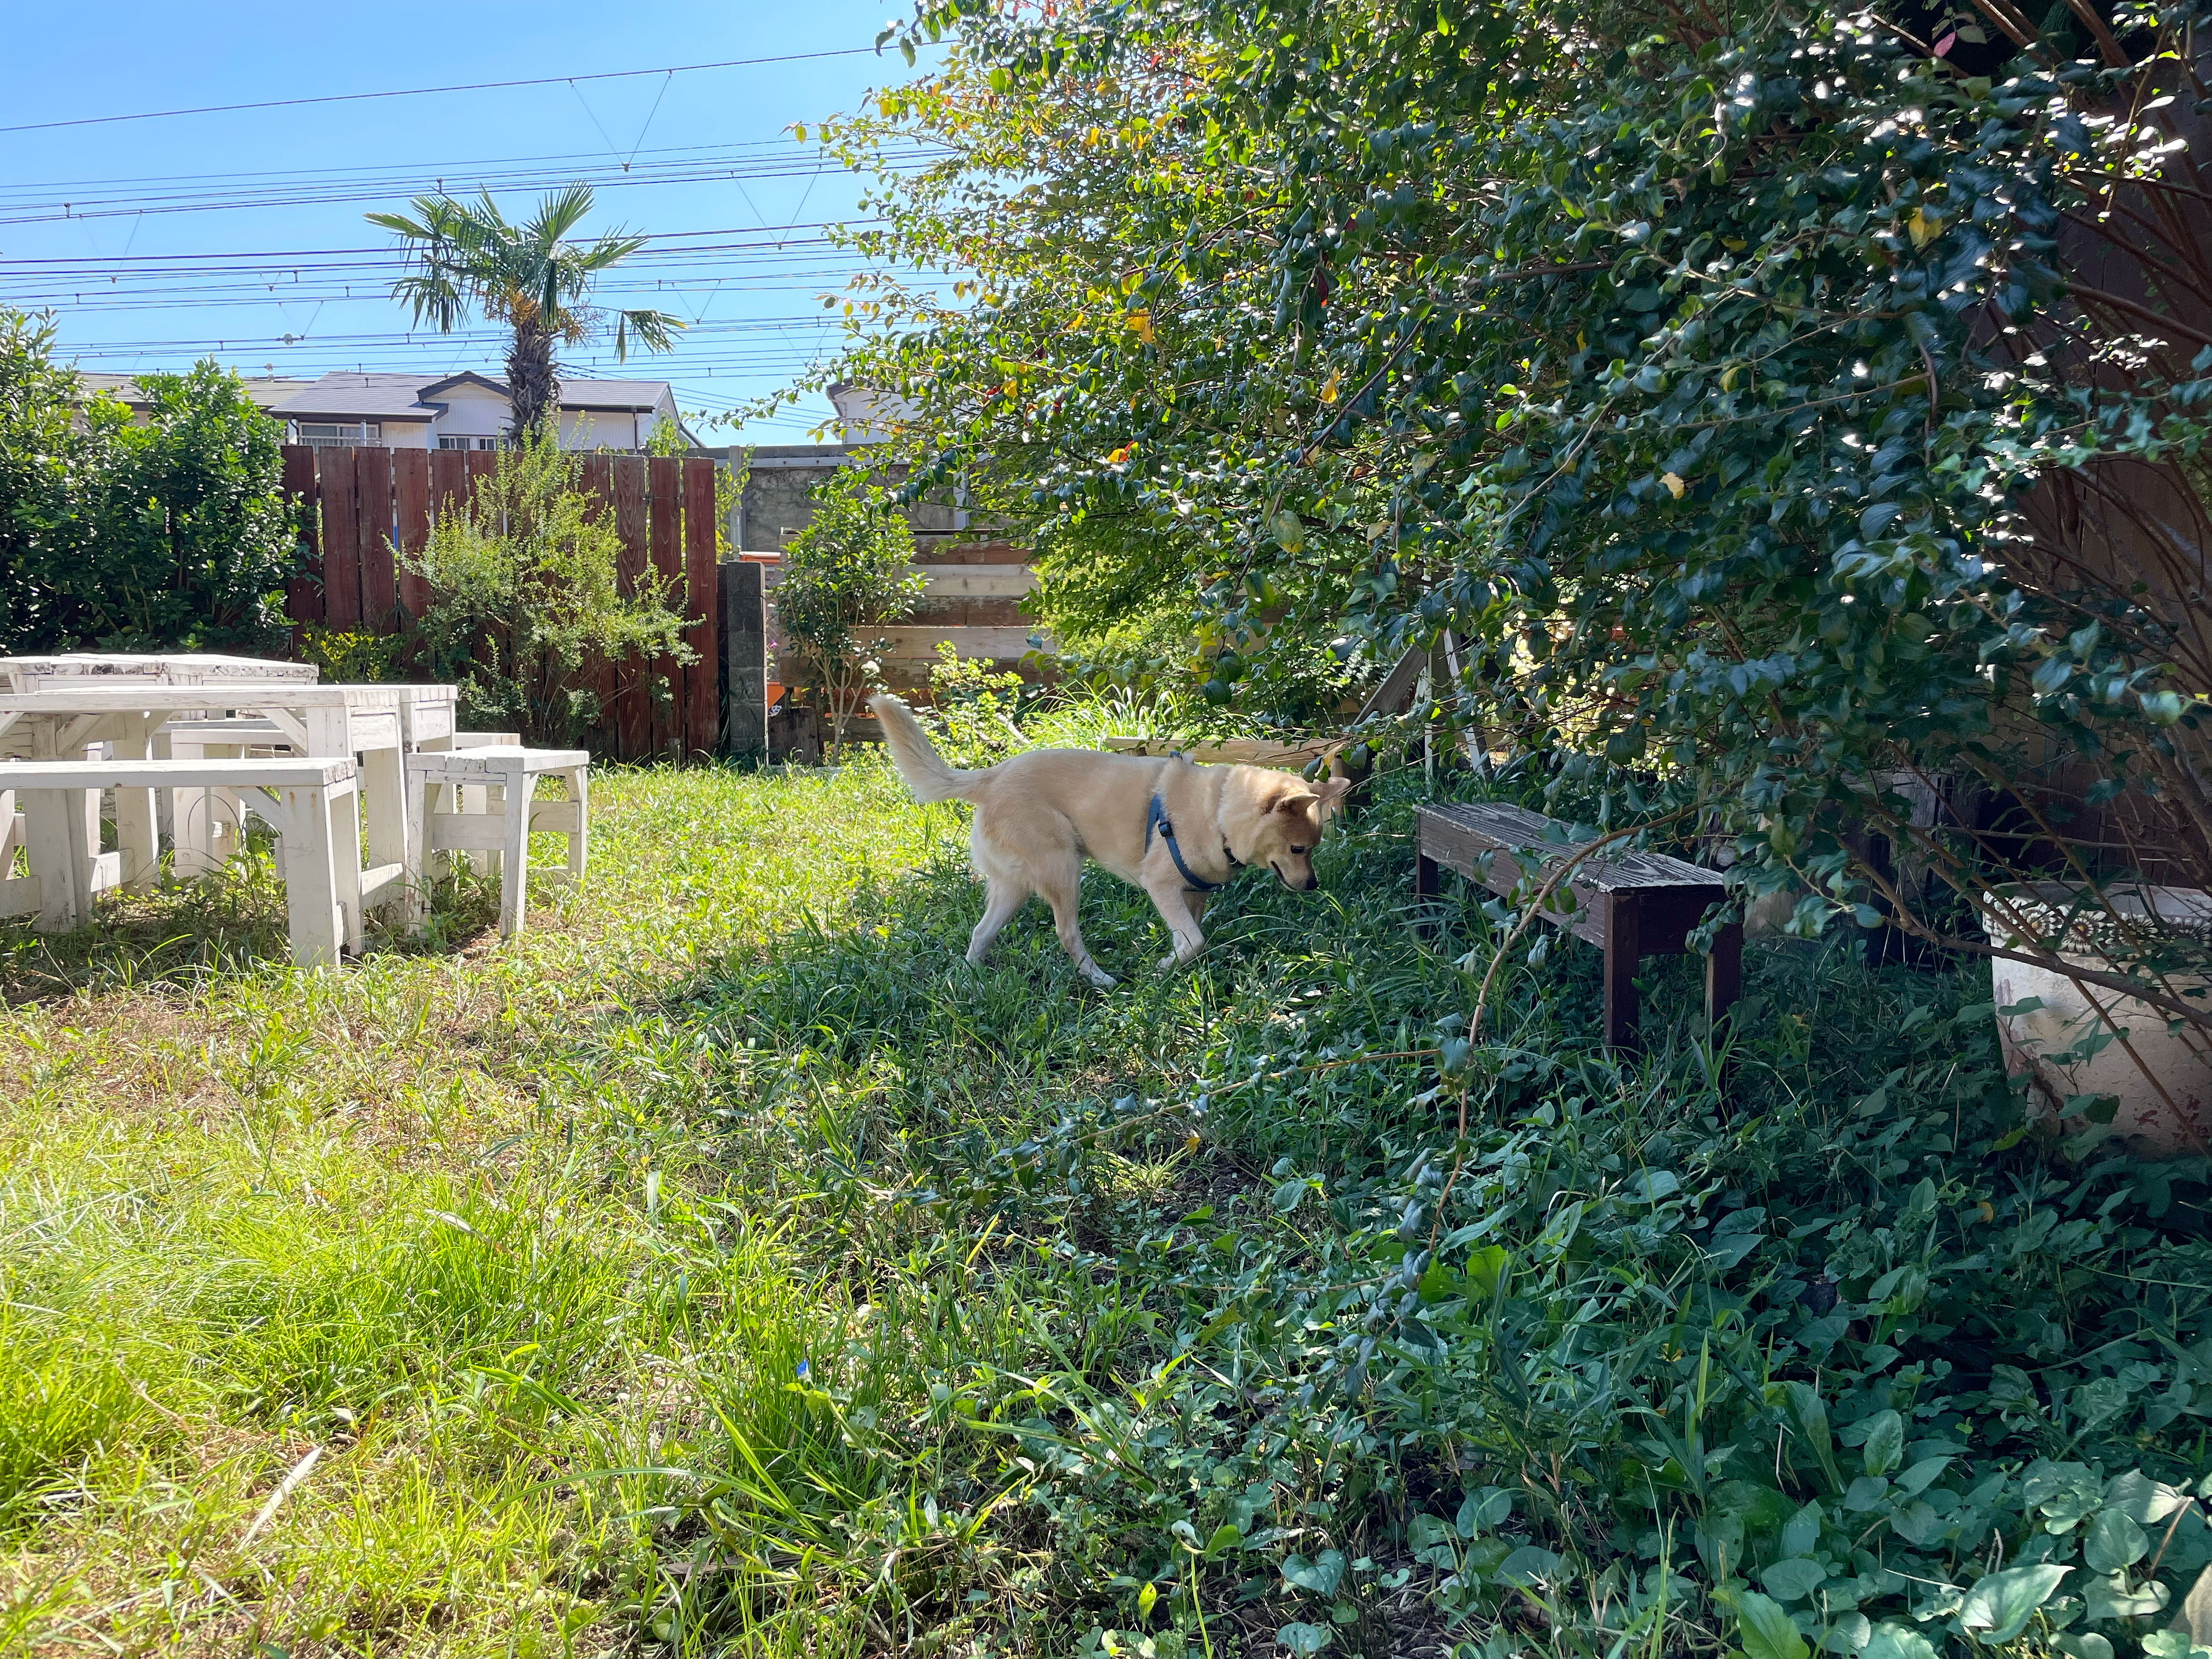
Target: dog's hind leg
1002, 898
1060, 886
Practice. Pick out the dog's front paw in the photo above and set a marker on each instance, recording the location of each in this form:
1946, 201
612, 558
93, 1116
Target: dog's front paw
1100, 978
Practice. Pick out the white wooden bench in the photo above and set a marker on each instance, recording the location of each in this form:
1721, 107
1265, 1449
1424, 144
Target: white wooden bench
312, 803
507, 827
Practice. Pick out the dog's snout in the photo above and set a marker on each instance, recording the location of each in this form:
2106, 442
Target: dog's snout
1313, 880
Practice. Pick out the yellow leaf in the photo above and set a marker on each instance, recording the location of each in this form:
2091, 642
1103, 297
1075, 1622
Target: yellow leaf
1140, 324
1733, 244
1728, 376
1581, 344
1922, 228
1674, 484
1328, 386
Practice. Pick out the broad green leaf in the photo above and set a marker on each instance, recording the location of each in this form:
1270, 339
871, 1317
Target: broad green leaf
1892, 1640
1304, 1639
1486, 1268
1765, 1631
1489, 1507
1885, 1443
1998, 1607
1811, 1416
1528, 1566
1795, 1579
1288, 1194
2114, 1543
1321, 1575
1225, 1538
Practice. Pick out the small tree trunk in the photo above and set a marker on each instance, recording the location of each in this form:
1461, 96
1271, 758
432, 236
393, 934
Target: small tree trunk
532, 383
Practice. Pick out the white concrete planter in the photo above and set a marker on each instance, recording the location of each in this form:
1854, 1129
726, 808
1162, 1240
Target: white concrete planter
2162, 1080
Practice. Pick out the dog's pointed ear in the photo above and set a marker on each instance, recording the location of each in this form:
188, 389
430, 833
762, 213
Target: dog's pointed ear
1295, 802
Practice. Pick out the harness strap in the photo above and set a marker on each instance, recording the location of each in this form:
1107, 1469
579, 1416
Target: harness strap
1156, 818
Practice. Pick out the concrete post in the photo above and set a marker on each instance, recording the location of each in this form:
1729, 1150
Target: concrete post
744, 657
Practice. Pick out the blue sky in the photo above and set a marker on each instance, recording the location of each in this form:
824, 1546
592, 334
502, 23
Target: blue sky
265, 205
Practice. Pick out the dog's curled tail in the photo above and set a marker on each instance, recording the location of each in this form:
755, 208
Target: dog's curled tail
925, 770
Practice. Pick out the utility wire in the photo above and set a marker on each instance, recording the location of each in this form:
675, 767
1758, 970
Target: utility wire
426, 92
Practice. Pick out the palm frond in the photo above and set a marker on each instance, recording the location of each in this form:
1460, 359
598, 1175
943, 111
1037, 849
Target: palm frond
656, 330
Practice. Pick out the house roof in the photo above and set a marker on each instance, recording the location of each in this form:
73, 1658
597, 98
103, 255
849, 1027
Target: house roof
340, 395
411, 397
612, 394
266, 390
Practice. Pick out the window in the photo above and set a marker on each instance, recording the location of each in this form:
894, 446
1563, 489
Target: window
334, 434
468, 443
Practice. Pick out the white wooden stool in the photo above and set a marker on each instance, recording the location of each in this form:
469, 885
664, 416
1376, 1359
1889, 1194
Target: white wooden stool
312, 803
513, 771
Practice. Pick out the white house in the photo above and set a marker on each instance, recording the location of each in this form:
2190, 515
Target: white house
468, 411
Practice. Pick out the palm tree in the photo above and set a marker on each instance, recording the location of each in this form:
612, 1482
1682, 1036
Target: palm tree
525, 276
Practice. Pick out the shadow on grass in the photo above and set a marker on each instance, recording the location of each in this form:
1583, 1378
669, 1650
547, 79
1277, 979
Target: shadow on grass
227, 925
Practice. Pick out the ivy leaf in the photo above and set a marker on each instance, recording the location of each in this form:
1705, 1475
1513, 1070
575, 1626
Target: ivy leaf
1304, 1639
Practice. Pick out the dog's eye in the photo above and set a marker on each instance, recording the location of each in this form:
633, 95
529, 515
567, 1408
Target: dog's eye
1298, 849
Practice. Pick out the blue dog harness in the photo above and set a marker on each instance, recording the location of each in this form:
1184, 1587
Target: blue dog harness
1157, 819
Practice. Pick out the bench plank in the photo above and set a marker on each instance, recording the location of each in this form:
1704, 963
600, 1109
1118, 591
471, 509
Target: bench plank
173, 773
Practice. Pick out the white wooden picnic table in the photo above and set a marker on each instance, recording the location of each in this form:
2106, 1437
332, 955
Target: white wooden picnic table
60, 670
378, 724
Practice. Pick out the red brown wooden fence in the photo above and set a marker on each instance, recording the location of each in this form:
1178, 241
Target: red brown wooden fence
371, 506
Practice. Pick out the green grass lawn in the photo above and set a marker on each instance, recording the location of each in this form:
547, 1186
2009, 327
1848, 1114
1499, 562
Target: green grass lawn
725, 1266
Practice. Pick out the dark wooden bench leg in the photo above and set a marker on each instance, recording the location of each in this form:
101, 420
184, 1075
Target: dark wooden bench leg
1428, 887
1723, 974
1624, 949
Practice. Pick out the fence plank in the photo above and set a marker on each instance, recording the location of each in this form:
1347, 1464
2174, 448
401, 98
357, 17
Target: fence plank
411, 484
379, 593
449, 480
303, 595
334, 479
598, 481
664, 496
701, 701
633, 709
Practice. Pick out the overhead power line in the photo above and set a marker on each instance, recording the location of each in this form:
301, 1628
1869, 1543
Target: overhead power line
428, 91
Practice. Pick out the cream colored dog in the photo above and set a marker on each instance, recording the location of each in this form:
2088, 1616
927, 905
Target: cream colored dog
1175, 829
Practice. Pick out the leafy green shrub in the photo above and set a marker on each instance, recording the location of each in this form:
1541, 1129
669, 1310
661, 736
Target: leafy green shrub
844, 572
972, 707
172, 531
350, 657
524, 591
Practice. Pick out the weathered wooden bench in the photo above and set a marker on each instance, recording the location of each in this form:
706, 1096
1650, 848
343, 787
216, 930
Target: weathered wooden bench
504, 827
1631, 904
312, 803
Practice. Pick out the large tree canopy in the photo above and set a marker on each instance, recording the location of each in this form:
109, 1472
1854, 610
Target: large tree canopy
1769, 410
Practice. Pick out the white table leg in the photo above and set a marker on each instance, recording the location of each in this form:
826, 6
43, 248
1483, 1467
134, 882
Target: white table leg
579, 838
55, 821
311, 880
135, 832
517, 788
383, 789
